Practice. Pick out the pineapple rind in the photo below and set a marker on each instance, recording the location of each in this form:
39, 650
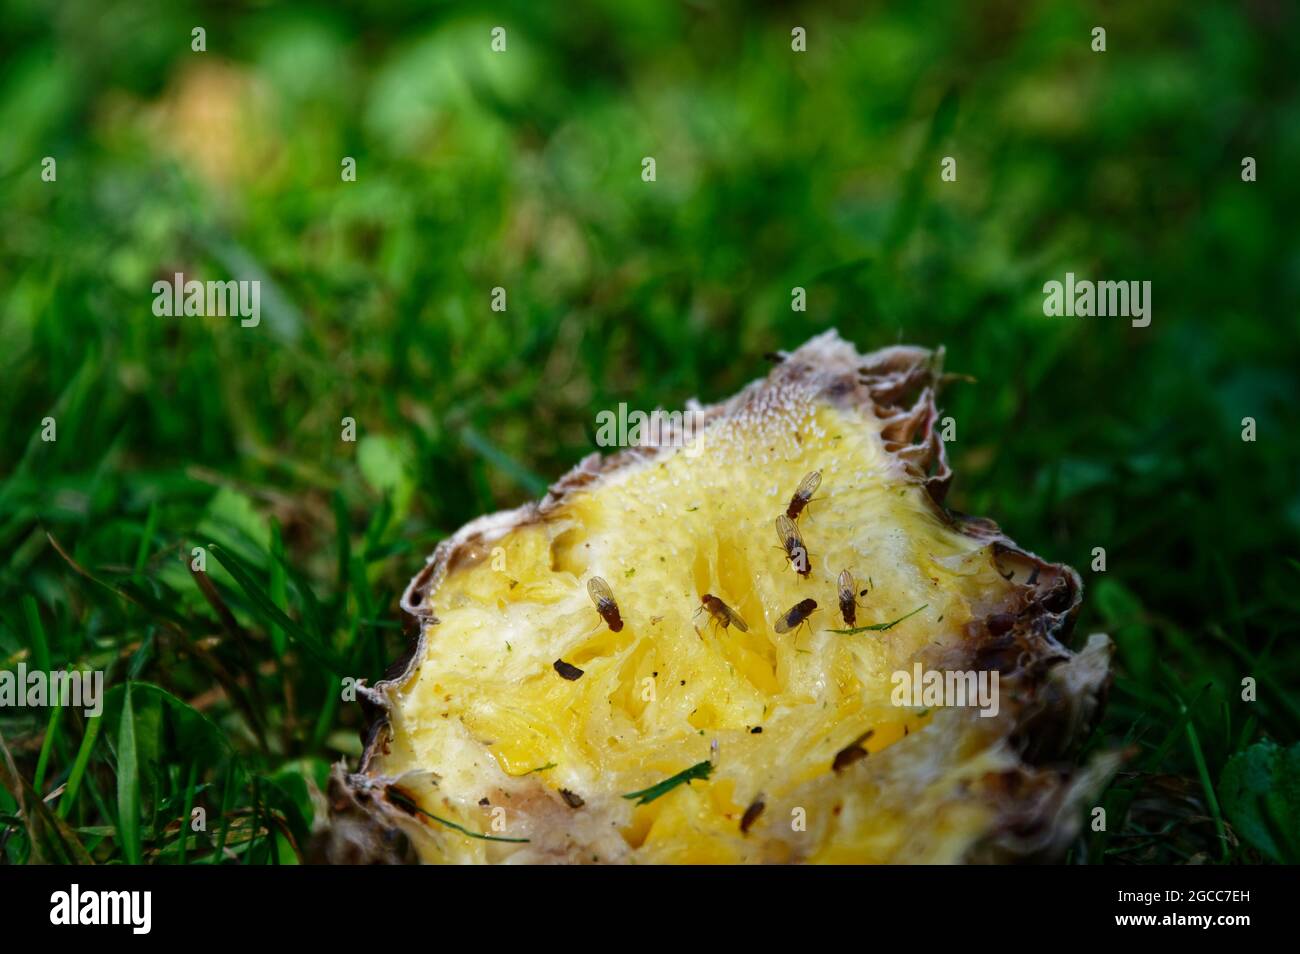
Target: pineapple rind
479, 721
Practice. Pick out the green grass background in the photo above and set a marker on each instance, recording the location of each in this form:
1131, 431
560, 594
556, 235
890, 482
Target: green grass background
522, 170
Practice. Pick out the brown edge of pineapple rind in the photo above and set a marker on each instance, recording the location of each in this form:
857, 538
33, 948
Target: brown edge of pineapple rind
1057, 696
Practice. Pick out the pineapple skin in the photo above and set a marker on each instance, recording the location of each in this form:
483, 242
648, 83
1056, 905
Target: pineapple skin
485, 736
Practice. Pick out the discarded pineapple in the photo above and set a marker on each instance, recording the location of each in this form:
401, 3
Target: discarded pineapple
528, 728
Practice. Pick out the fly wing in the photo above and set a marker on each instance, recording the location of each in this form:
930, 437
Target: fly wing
599, 590
808, 486
787, 532
847, 586
736, 621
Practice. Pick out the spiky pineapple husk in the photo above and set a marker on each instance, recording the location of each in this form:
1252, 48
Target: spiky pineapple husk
939, 786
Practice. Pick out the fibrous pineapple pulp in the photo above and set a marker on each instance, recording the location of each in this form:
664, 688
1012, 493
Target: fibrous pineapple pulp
713, 713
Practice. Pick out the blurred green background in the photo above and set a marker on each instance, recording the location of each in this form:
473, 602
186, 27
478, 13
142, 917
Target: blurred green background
522, 170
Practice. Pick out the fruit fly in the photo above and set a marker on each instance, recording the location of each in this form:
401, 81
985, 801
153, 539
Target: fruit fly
803, 493
849, 597
797, 615
722, 613
792, 543
603, 597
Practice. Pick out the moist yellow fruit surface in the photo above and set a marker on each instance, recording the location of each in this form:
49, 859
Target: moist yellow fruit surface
484, 736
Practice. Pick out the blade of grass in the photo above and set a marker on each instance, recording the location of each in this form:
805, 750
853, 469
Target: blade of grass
1198, 756
408, 804
128, 783
47, 744
227, 794
521, 475
69, 796
36, 631
878, 627
146, 539
278, 587
698, 771
326, 718
313, 614
186, 808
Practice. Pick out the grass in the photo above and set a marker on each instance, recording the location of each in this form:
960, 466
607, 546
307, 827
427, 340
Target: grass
522, 171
